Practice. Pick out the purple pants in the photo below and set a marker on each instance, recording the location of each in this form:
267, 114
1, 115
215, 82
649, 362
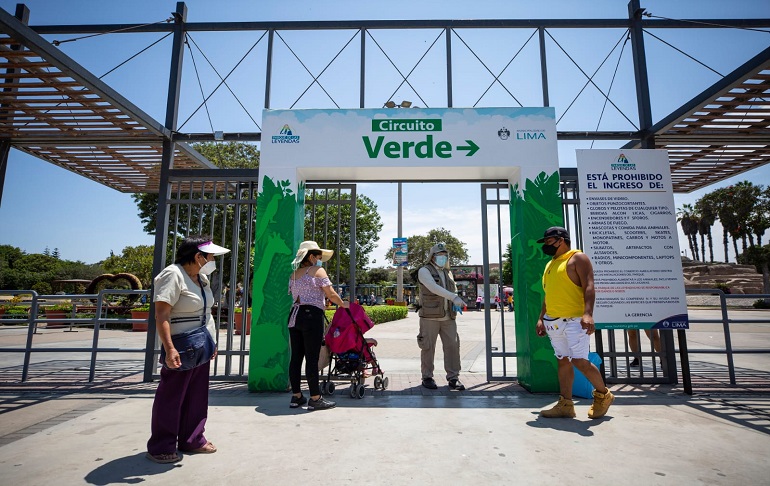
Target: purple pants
179, 411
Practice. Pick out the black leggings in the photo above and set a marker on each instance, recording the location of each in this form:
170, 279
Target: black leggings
306, 337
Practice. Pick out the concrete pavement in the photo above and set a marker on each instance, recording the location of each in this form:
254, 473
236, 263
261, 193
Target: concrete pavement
55, 433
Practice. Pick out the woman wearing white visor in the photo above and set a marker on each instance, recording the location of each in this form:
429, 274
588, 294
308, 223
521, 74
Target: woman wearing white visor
183, 300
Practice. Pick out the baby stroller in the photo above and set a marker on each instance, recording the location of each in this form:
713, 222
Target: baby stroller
352, 356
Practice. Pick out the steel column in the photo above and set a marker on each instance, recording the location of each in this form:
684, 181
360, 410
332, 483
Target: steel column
448, 67
543, 66
640, 73
167, 163
22, 13
362, 94
269, 67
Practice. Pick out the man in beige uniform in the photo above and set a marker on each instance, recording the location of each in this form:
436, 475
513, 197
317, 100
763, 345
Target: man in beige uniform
439, 307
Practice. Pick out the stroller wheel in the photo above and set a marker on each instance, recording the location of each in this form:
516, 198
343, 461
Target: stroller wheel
352, 391
377, 382
360, 391
324, 386
385, 382
330, 388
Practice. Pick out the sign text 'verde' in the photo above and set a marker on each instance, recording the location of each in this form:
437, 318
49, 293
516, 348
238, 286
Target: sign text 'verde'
425, 149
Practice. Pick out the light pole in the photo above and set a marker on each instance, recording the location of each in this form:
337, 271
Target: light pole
400, 273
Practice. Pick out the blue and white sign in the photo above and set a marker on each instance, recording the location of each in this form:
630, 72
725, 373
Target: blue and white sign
628, 221
400, 253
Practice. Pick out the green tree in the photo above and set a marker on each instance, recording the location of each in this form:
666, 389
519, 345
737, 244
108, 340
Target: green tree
508, 265
759, 256
759, 219
225, 155
707, 208
19, 270
323, 226
136, 260
689, 222
380, 276
745, 197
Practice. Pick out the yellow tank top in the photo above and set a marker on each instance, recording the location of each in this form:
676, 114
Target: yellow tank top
562, 297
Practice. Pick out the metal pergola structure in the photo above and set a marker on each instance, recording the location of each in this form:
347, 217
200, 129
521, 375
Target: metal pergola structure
54, 109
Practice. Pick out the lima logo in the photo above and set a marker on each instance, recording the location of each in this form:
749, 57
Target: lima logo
503, 133
623, 164
285, 136
530, 135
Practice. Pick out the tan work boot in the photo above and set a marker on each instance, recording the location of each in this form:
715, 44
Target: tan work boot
602, 402
564, 408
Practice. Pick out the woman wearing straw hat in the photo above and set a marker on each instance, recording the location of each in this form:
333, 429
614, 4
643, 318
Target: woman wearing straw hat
309, 286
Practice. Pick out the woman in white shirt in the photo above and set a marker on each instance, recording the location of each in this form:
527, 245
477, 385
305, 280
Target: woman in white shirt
183, 300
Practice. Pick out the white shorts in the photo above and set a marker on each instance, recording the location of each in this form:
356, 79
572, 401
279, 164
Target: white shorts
568, 338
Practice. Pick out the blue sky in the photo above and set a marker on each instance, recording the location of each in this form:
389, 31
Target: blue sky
54, 208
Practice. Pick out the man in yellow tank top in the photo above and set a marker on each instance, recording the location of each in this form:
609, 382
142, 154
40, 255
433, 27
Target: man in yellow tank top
567, 319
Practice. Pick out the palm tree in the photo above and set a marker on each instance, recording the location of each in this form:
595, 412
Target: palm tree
759, 220
745, 198
723, 204
707, 207
685, 216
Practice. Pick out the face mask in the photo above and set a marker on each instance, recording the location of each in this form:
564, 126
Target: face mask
208, 268
549, 250
319, 263
441, 260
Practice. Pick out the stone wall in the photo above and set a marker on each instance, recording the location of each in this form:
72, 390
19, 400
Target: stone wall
741, 279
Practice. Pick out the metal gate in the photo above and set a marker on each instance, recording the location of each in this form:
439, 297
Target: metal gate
654, 368
221, 203
327, 207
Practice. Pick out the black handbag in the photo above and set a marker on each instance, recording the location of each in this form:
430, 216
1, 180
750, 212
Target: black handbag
195, 347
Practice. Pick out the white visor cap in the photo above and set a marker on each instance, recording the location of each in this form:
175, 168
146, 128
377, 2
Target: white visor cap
213, 249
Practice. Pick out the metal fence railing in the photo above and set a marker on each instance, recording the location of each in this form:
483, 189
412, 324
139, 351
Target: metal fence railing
726, 320
35, 315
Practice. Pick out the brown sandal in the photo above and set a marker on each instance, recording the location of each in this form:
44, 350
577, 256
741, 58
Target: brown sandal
164, 458
209, 448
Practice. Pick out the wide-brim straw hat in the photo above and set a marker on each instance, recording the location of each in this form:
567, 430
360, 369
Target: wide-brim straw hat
306, 246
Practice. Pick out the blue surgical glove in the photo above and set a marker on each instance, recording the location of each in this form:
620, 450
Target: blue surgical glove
457, 308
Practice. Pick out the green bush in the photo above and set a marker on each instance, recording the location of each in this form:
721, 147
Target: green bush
761, 304
381, 313
58, 307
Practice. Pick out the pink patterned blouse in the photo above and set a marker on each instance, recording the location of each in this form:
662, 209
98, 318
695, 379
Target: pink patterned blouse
307, 290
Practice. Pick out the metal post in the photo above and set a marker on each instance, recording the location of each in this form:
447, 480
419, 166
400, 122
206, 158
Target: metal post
449, 67
22, 13
362, 87
167, 163
685, 359
352, 283
543, 66
728, 340
268, 67
640, 73
400, 272
485, 260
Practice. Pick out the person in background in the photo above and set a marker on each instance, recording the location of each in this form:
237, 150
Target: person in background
567, 319
183, 297
633, 343
479, 301
309, 286
440, 305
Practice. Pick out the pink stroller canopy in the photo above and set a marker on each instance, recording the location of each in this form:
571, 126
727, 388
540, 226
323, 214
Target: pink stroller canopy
347, 329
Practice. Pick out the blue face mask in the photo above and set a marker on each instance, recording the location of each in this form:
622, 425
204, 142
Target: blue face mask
319, 263
441, 260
